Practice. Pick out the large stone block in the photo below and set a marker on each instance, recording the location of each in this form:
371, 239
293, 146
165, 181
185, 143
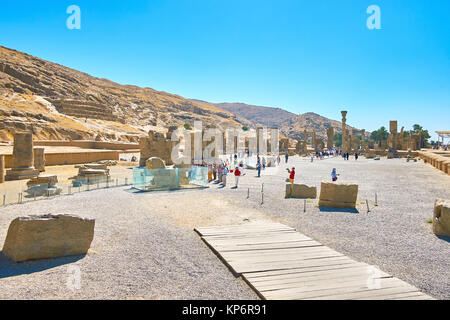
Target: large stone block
441, 217
300, 191
338, 195
48, 236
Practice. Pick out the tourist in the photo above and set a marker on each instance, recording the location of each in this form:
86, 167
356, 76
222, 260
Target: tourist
264, 163
286, 157
219, 172
334, 175
210, 173
214, 168
258, 167
237, 174
291, 175
241, 168
278, 160
224, 176
356, 156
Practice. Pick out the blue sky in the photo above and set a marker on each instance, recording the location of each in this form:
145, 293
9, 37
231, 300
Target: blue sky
315, 55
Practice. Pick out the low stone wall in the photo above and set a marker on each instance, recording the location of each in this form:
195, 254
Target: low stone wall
439, 160
67, 158
88, 144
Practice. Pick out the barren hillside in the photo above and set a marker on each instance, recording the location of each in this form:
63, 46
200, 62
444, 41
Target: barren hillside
56, 102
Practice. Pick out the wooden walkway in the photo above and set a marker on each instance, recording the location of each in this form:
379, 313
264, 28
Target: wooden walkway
282, 264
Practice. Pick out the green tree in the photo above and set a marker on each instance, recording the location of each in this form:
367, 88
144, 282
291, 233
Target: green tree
338, 139
379, 135
245, 128
187, 126
425, 135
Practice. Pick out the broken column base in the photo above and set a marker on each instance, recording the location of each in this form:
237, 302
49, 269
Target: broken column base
21, 174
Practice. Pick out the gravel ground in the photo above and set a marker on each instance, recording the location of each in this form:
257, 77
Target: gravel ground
145, 247
394, 236
137, 253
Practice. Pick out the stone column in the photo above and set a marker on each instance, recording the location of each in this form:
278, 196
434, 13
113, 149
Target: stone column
2, 168
344, 132
330, 138
314, 142
23, 160
39, 159
393, 129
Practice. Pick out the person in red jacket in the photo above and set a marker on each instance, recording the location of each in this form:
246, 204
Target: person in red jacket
291, 175
237, 174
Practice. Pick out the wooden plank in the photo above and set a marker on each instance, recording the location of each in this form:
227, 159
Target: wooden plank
262, 274
280, 263
335, 292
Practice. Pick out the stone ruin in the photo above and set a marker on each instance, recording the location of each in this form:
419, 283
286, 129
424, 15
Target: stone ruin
300, 191
90, 174
156, 144
39, 159
43, 185
23, 158
441, 218
338, 195
48, 236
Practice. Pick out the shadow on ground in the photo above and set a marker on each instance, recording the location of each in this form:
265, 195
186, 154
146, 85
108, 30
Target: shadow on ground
9, 268
328, 209
444, 238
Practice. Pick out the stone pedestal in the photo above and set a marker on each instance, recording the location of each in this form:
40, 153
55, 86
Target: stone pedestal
23, 160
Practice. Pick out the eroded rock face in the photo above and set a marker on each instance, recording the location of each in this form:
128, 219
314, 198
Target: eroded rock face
48, 236
441, 218
300, 191
338, 195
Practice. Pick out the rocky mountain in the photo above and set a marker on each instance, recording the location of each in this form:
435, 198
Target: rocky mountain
290, 124
258, 115
56, 102
294, 127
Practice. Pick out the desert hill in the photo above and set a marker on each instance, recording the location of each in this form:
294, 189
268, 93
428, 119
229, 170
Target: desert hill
57, 102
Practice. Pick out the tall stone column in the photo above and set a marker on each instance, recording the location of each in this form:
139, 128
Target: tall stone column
393, 129
2, 168
314, 142
330, 138
39, 159
23, 159
344, 132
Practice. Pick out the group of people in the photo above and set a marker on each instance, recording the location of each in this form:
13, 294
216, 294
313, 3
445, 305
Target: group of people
346, 156
218, 172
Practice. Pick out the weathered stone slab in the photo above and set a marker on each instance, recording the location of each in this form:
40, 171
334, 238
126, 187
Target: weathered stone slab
43, 179
48, 236
338, 195
441, 217
300, 191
